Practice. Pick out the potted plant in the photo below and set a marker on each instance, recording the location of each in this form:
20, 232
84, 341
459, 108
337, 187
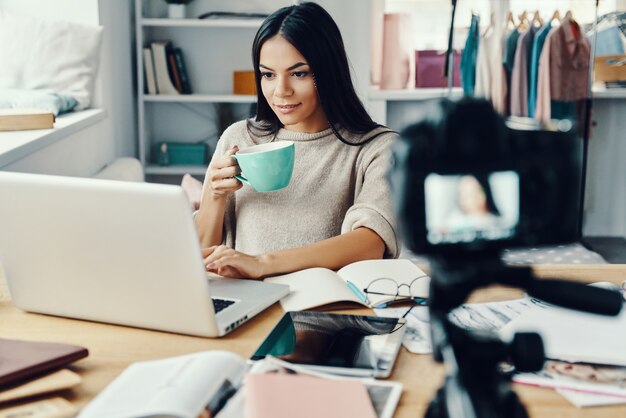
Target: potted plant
176, 9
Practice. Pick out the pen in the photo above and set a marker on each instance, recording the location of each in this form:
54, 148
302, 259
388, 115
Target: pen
356, 291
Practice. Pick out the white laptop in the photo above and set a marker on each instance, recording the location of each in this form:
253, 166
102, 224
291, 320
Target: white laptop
116, 252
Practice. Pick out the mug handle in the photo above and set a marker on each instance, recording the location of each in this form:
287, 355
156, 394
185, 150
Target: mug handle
238, 177
241, 179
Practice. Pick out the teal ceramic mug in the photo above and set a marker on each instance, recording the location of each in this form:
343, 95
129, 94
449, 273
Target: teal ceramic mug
266, 167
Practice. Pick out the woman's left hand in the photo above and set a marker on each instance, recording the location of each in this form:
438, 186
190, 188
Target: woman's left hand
226, 262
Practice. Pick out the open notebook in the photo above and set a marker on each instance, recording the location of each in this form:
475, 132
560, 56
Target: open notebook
317, 287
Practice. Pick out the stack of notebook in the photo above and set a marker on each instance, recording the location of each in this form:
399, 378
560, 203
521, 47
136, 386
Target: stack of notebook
29, 370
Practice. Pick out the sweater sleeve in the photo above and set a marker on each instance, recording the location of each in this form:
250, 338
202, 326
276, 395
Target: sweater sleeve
372, 201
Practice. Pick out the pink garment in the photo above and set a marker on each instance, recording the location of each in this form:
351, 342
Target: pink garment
569, 63
543, 111
398, 64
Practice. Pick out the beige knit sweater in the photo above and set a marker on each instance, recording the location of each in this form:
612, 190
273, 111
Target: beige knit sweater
335, 188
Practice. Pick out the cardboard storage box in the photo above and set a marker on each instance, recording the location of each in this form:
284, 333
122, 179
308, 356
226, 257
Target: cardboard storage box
243, 82
610, 68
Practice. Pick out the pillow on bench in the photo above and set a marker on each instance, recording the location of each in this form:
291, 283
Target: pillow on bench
48, 100
49, 54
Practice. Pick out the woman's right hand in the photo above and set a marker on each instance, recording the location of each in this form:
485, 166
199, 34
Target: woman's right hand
220, 180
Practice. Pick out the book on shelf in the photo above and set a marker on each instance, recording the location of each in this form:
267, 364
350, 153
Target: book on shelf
173, 70
164, 83
148, 66
182, 71
316, 287
25, 119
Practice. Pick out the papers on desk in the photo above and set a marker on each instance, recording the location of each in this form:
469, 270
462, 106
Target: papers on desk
472, 316
592, 350
583, 400
581, 377
567, 334
187, 386
574, 336
417, 335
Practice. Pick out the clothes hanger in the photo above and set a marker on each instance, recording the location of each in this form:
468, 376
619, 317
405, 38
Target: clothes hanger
555, 16
537, 19
510, 20
523, 21
574, 27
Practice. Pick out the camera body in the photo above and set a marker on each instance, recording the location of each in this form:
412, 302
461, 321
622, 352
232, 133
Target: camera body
462, 181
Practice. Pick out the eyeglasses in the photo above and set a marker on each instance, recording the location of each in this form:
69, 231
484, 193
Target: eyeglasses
385, 286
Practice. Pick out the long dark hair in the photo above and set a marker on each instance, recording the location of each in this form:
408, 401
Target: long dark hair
489, 200
314, 33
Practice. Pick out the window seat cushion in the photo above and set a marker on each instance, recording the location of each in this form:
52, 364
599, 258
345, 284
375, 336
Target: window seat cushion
48, 100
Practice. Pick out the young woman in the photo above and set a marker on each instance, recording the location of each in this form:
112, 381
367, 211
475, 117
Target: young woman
337, 209
476, 208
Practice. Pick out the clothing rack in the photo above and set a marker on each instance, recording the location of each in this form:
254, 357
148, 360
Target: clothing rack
587, 110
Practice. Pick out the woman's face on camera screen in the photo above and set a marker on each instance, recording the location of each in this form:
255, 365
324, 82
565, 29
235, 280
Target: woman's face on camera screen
472, 197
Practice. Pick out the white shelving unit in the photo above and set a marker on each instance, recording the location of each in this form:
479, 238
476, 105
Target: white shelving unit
203, 23
199, 98
212, 50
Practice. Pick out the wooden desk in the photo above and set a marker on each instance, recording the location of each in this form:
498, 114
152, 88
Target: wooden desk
113, 348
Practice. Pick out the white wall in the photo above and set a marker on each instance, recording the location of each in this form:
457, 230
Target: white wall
354, 18
117, 72
78, 11
605, 200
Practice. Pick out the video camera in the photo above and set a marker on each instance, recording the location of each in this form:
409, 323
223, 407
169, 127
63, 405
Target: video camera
465, 185
463, 182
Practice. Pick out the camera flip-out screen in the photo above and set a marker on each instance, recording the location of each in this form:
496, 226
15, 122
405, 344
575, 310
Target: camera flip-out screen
463, 208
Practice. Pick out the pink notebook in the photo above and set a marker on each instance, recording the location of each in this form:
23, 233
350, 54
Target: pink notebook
280, 395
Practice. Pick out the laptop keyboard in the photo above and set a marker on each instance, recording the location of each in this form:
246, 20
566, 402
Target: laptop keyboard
221, 304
